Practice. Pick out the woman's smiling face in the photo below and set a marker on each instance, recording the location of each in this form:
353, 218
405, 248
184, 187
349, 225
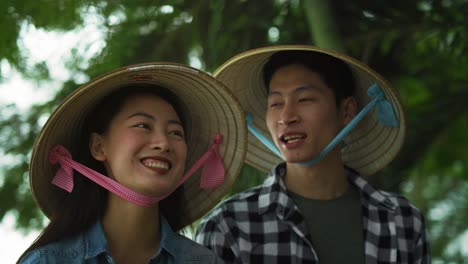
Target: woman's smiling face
144, 147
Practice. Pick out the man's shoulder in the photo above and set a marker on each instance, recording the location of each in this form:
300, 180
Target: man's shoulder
250, 195
390, 201
232, 219
194, 252
239, 203
401, 202
407, 216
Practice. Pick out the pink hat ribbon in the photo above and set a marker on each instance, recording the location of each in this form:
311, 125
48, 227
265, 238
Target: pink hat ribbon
211, 176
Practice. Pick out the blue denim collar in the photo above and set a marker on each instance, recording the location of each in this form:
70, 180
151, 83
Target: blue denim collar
96, 242
168, 238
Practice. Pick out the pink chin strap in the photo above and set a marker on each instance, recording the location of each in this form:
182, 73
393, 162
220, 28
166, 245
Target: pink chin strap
211, 176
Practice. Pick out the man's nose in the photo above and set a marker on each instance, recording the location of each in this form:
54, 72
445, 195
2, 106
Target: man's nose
288, 115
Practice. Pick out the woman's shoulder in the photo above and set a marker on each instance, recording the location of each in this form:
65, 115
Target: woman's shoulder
68, 250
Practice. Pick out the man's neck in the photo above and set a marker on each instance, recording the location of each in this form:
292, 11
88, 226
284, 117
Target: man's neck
323, 181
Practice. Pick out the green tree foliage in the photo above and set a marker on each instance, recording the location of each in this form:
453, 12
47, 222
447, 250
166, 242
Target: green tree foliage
420, 46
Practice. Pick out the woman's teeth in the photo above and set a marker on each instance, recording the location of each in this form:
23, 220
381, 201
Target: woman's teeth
157, 164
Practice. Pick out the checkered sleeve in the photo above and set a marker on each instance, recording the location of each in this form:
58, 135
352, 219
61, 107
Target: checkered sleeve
412, 234
422, 252
211, 234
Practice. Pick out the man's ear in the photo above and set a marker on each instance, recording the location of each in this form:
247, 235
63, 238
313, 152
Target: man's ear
348, 109
96, 147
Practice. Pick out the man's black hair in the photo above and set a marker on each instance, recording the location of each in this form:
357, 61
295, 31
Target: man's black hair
335, 73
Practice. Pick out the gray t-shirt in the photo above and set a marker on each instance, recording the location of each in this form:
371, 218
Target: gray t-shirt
335, 226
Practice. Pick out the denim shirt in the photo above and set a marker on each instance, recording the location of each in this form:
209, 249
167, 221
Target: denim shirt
90, 247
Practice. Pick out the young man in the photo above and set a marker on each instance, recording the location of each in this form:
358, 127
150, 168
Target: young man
315, 206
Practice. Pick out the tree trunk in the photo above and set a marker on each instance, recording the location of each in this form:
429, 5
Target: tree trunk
322, 24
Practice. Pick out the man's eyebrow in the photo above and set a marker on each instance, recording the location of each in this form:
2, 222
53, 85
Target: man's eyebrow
296, 90
270, 93
305, 88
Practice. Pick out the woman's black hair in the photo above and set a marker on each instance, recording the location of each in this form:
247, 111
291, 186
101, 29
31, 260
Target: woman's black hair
87, 202
335, 73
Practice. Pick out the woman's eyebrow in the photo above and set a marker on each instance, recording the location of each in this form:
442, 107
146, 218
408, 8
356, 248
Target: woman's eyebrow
142, 114
146, 115
175, 121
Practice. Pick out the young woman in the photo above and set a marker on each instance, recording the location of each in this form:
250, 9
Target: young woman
108, 166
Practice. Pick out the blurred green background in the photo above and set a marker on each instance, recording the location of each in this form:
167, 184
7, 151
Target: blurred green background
420, 46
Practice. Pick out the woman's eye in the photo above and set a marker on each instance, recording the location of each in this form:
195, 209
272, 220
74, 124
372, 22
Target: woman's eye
177, 133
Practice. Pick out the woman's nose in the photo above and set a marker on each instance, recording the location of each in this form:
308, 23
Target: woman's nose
161, 143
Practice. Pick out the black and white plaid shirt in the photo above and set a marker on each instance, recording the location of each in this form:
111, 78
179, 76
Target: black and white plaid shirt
263, 225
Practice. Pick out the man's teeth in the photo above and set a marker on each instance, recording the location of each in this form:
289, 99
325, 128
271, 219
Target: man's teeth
292, 138
157, 164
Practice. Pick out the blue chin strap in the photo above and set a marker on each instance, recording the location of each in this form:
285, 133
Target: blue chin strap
385, 114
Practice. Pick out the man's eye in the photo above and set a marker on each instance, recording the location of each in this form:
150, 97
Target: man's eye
307, 99
142, 125
274, 104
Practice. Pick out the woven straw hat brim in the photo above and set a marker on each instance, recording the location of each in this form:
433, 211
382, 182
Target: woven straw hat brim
210, 109
370, 146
